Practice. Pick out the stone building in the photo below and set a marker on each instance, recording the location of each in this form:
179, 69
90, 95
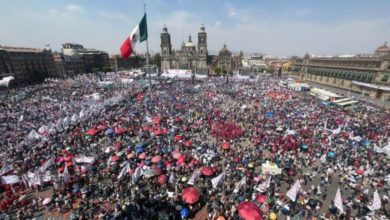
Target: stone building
226, 61
118, 63
367, 74
189, 56
94, 60
27, 65
68, 65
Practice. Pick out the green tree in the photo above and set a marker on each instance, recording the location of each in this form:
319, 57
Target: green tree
218, 71
106, 69
156, 59
95, 70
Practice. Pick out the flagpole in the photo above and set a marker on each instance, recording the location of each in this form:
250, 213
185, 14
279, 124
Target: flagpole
147, 54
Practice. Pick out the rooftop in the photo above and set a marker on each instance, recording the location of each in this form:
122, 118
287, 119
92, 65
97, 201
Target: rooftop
21, 49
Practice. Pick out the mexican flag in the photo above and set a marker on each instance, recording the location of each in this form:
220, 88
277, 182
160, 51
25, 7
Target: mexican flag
139, 34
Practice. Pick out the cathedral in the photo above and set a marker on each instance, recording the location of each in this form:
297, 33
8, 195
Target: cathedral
189, 56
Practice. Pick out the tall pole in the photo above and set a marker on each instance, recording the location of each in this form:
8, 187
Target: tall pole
147, 54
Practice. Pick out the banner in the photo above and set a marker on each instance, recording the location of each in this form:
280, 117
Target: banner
272, 169
338, 202
217, 179
10, 179
84, 159
377, 203
292, 193
193, 177
240, 184
6, 168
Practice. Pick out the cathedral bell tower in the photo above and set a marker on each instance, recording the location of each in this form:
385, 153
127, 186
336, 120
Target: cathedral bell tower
202, 48
166, 49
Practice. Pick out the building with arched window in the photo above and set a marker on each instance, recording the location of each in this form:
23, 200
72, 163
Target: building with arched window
368, 74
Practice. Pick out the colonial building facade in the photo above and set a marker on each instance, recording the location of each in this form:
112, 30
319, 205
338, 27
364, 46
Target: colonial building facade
189, 56
27, 65
365, 74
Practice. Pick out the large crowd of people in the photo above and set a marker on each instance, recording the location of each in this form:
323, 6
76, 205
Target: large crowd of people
247, 149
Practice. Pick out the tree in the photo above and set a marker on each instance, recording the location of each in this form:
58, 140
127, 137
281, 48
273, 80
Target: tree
95, 70
106, 69
156, 59
218, 71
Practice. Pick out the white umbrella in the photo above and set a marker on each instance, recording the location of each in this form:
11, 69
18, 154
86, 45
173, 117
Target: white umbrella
46, 201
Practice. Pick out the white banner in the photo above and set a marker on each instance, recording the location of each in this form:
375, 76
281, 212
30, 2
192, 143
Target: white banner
84, 159
338, 201
193, 177
292, 193
10, 179
240, 184
377, 203
217, 179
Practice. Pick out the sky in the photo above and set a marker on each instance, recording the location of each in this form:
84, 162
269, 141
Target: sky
275, 27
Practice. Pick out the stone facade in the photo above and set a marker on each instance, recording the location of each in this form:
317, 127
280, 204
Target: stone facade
189, 56
365, 74
27, 65
118, 63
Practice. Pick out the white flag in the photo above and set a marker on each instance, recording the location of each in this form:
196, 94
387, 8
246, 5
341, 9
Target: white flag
10, 179
217, 179
33, 135
336, 131
66, 175
47, 164
84, 159
21, 118
136, 175
124, 171
240, 184
323, 158
377, 203
265, 185
338, 202
6, 168
292, 193
193, 177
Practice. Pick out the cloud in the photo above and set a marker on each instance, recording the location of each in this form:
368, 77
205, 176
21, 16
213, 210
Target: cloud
114, 16
53, 11
72, 8
231, 10
218, 23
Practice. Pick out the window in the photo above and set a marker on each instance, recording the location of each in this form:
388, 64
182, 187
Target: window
385, 78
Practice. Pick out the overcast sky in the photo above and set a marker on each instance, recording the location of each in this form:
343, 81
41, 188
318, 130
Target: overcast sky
276, 27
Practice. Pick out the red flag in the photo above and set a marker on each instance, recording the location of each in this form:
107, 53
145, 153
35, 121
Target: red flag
126, 49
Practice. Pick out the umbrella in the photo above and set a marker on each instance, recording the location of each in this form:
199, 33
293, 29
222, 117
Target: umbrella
139, 149
114, 158
162, 179
176, 155
291, 172
177, 137
331, 154
312, 203
225, 146
304, 146
249, 211
91, 131
181, 159
129, 156
272, 216
157, 171
109, 131
360, 171
207, 171
190, 195
185, 212
156, 159
46, 201
261, 198
142, 156
188, 143
119, 130
148, 173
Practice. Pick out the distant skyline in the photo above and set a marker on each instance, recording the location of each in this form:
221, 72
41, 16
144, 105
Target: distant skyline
278, 27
